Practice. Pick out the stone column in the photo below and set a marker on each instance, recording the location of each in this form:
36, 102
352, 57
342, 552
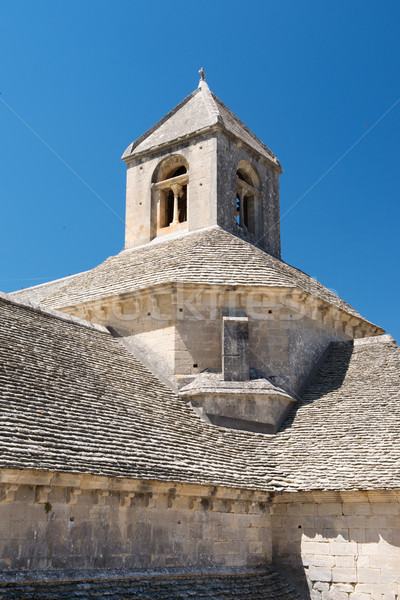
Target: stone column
177, 191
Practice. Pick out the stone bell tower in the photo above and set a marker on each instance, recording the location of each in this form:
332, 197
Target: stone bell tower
201, 166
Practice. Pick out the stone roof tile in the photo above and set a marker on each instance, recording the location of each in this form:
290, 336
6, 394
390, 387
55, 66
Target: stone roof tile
209, 257
199, 111
72, 399
266, 585
343, 432
208, 383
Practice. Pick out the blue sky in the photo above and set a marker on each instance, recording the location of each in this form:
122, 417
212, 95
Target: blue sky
310, 79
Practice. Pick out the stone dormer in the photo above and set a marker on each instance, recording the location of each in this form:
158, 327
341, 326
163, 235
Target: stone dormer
238, 397
201, 166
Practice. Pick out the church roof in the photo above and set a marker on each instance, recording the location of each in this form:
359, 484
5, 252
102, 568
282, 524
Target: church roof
259, 585
209, 257
198, 112
72, 399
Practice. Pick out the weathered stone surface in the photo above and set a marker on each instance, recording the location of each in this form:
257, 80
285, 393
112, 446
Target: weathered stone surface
212, 256
363, 562
235, 348
130, 527
265, 585
200, 110
253, 405
54, 372
104, 466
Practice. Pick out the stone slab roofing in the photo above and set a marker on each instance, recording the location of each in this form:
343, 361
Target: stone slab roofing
200, 111
208, 383
211, 256
72, 399
267, 585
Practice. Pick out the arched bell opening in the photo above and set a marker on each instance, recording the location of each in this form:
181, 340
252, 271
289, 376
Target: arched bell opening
170, 195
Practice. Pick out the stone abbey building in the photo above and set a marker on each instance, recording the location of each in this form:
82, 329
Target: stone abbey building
195, 418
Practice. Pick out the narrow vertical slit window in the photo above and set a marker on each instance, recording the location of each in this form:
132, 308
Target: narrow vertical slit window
247, 195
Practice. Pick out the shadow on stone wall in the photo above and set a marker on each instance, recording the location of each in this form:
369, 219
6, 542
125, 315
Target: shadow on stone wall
333, 555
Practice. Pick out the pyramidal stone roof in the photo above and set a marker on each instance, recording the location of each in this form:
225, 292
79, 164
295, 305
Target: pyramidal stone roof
210, 256
73, 400
198, 112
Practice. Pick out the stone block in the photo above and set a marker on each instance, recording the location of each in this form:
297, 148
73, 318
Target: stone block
383, 508
330, 508
343, 587
233, 533
376, 522
363, 561
377, 591
321, 586
347, 561
356, 508
393, 522
335, 534
327, 522
376, 549
358, 535
305, 522
311, 547
368, 575
323, 560
263, 533
354, 521
343, 575
384, 562
391, 575
323, 574
343, 548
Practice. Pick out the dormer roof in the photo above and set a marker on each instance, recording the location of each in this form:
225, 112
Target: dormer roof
198, 113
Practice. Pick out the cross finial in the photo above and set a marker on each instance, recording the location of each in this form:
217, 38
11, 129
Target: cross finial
202, 73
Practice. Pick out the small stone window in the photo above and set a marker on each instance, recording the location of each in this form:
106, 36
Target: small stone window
170, 194
247, 197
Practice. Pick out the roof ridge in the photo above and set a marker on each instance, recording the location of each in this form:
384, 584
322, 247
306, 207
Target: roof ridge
375, 339
147, 133
168, 238
206, 112
209, 101
211, 241
40, 285
50, 312
243, 125
369, 340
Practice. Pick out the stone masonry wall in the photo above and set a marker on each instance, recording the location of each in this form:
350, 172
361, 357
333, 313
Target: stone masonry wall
179, 328
344, 546
201, 159
267, 235
284, 343
60, 521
